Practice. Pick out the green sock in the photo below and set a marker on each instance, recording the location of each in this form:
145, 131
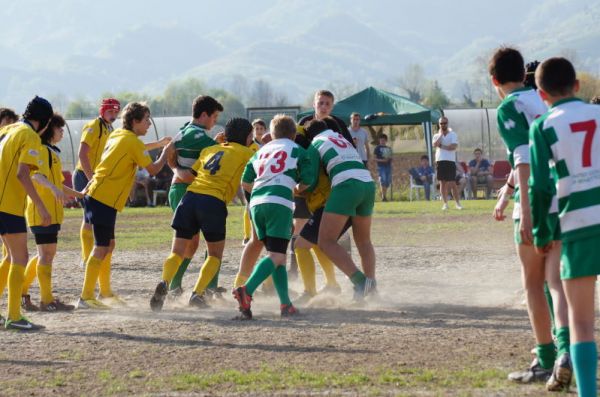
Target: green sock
176, 282
280, 279
550, 306
214, 283
262, 270
585, 366
563, 340
358, 278
546, 354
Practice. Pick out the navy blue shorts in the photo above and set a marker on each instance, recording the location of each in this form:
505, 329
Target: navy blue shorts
200, 212
300, 208
80, 181
310, 231
45, 234
103, 219
12, 224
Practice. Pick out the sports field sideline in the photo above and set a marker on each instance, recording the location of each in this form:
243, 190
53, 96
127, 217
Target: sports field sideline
450, 320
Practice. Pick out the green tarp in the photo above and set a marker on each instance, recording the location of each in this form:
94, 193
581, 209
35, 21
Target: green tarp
392, 109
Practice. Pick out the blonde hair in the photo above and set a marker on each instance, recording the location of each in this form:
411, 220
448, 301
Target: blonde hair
283, 126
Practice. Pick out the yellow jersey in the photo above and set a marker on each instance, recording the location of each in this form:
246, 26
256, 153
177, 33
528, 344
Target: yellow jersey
254, 146
52, 170
316, 198
115, 174
219, 170
94, 134
19, 144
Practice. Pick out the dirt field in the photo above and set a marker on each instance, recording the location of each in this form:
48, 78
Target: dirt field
450, 321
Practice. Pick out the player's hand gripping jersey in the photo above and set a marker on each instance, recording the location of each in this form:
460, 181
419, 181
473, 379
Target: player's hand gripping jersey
219, 169
274, 170
94, 134
340, 159
19, 144
115, 173
52, 170
568, 136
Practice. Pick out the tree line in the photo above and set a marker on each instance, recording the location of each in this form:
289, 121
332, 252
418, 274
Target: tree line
412, 82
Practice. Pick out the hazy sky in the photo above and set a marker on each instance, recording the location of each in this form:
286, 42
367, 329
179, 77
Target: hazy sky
80, 49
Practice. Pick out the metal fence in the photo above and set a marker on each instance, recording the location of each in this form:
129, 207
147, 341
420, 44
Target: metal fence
476, 128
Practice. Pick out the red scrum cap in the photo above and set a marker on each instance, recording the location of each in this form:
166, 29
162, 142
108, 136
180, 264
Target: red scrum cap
109, 104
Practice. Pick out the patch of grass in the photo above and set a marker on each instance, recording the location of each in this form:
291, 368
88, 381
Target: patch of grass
270, 379
266, 379
140, 228
105, 375
59, 380
70, 355
136, 374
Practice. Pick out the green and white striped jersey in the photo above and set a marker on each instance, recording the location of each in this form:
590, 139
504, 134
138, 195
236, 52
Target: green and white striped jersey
568, 136
275, 169
515, 114
339, 157
189, 142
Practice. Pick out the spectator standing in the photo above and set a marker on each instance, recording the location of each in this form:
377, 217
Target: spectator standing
446, 143
360, 137
383, 157
480, 172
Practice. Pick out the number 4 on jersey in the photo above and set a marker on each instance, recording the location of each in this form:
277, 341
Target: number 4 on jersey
213, 163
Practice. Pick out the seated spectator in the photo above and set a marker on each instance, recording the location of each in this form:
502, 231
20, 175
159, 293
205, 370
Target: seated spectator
423, 175
461, 179
142, 179
383, 157
480, 171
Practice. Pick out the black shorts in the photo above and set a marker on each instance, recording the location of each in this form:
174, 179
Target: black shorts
12, 224
103, 219
446, 171
200, 212
276, 244
310, 231
300, 208
45, 234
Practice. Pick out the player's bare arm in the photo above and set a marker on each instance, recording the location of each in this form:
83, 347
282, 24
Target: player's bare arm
23, 175
84, 151
43, 181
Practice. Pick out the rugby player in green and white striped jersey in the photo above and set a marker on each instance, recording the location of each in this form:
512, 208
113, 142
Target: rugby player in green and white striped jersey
271, 176
520, 106
189, 142
568, 137
352, 196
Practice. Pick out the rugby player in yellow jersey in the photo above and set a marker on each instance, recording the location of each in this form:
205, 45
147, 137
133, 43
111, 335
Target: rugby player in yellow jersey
20, 148
48, 179
258, 131
7, 117
204, 207
93, 140
107, 194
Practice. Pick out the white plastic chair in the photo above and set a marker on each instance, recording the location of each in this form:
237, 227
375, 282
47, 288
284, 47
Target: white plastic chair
415, 187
